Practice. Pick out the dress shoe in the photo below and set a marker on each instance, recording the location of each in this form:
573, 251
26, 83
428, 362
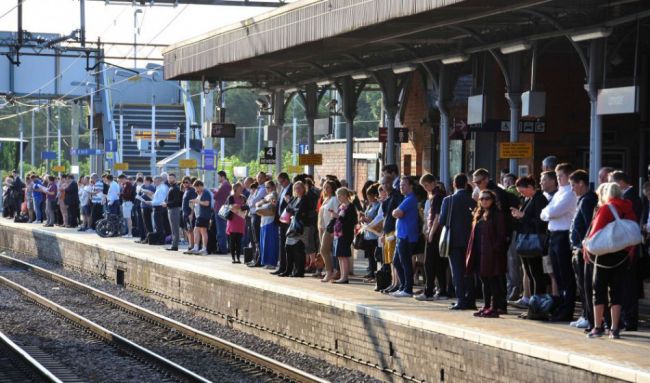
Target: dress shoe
457, 307
285, 274
172, 249
297, 275
277, 272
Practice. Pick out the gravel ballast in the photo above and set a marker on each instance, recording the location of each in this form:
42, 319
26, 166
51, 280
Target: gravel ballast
304, 362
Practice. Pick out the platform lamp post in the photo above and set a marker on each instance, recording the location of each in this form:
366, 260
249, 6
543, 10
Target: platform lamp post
91, 122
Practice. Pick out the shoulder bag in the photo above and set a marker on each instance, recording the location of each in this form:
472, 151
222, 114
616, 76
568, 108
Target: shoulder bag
616, 236
530, 245
445, 235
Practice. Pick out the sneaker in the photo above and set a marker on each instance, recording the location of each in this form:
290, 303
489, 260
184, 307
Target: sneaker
127, 236
190, 251
580, 323
521, 303
202, 252
440, 297
423, 297
401, 294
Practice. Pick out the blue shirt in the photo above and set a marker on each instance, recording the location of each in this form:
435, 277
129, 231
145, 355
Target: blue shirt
407, 226
38, 196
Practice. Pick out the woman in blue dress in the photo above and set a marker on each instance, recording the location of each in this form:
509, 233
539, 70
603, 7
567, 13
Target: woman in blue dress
269, 232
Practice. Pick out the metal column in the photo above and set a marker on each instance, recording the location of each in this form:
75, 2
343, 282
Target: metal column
390, 89
595, 129
311, 99
278, 121
152, 163
33, 142
443, 108
514, 101
350, 91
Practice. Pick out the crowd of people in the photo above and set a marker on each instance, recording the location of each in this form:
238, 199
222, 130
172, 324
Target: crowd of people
511, 241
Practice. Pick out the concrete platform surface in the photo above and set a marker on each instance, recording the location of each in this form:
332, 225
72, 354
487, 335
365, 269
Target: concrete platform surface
625, 359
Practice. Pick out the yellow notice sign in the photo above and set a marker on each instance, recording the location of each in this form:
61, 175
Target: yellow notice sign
187, 163
58, 168
515, 150
121, 166
310, 159
294, 169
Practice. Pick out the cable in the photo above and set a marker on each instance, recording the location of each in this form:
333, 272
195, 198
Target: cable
165, 28
11, 10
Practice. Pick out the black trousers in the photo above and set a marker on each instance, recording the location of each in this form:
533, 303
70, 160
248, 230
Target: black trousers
96, 212
560, 253
147, 221
535, 272
369, 247
494, 294
632, 290
256, 220
435, 268
235, 245
283, 251
73, 214
139, 223
295, 259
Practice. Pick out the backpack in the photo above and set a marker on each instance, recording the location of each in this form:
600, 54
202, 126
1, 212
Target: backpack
540, 307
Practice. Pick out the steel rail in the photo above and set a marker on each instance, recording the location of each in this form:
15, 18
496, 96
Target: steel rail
26, 359
105, 334
286, 371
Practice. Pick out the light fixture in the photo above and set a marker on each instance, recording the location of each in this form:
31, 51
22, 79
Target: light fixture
360, 76
291, 90
455, 59
404, 68
264, 92
514, 48
324, 83
592, 34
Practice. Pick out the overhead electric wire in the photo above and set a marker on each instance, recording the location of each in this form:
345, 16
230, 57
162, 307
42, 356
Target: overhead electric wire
11, 9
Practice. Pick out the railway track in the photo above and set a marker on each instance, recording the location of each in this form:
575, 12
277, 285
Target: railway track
17, 365
176, 341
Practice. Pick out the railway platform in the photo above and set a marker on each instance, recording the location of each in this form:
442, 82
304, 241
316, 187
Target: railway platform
349, 325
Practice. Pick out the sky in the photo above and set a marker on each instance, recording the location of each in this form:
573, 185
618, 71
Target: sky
115, 23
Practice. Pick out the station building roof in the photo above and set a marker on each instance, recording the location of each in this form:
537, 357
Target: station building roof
313, 40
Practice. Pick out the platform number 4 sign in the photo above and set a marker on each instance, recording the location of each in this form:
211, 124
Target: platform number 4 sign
269, 156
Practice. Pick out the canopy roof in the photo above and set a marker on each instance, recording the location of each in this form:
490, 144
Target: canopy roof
313, 40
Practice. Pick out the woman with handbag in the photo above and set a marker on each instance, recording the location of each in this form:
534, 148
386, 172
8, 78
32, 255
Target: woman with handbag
296, 235
531, 233
610, 269
369, 244
326, 227
269, 233
346, 220
236, 223
486, 256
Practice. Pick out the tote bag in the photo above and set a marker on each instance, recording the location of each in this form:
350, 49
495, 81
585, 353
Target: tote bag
616, 236
445, 235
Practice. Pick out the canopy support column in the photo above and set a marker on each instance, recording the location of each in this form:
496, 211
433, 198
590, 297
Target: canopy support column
278, 121
596, 55
350, 91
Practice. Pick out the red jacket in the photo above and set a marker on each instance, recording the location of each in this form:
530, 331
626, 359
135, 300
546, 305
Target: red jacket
604, 216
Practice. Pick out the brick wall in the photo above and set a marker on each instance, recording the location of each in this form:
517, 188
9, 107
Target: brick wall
420, 134
334, 159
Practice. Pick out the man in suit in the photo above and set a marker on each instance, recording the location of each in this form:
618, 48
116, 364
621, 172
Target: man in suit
457, 210
634, 284
285, 190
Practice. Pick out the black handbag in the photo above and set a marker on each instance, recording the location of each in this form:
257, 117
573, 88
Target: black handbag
358, 242
330, 226
530, 245
383, 277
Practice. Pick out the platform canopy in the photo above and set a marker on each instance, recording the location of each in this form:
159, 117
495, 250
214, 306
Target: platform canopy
314, 40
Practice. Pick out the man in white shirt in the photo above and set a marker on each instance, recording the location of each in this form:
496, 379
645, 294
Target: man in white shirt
156, 202
559, 213
113, 195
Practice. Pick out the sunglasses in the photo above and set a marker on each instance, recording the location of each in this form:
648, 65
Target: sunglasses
485, 198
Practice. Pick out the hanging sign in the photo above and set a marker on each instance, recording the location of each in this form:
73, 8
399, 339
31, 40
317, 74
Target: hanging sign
269, 156
58, 168
121, 166
515, 150
310, 159
48, 155
294, 169
189, 163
